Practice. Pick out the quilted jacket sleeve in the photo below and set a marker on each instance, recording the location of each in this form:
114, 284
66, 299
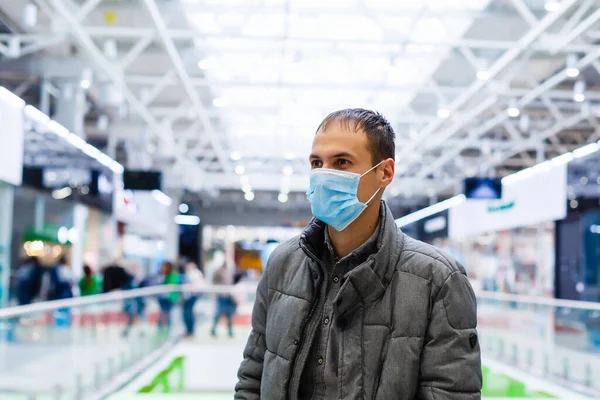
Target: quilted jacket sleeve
250, 372
451, 360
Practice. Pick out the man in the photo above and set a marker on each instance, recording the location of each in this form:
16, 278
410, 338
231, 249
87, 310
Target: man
353, 308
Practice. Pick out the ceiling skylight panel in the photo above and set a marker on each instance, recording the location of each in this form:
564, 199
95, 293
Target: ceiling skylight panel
265, 25
429, 30
203, 22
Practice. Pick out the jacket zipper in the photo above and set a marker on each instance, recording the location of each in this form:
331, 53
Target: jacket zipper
313, 308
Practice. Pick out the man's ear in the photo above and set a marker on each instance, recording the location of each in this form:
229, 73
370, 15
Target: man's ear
389, 169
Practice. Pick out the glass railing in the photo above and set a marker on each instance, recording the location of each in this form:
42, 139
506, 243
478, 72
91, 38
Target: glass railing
121, 344
89, 347
558, 340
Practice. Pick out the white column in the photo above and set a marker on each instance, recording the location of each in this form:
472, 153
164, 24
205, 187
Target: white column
40, 212
71, 107
172, 237
80, 216
6, 221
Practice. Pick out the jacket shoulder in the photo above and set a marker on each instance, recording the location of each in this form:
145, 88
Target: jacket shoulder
284, 255
427, 262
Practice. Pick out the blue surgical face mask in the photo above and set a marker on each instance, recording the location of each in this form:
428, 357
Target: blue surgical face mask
333, 196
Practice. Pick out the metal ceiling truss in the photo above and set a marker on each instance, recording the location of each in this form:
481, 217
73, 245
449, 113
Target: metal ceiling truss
477, 136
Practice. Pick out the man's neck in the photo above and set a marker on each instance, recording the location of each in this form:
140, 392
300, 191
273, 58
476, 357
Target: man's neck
355, 235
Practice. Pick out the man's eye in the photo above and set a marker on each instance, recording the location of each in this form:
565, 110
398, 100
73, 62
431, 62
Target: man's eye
341, 162
316, 164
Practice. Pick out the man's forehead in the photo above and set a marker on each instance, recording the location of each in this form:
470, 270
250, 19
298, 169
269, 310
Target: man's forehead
336, 139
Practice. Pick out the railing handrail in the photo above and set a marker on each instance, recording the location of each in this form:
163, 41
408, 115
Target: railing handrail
538, 300
11, 312
250, 287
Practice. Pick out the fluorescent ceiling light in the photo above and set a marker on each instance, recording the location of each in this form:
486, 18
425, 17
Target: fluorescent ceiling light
76, 141
58, 129
162, 198
433, 209
91, 150
552, 5
563, 159
187, 220
443, 113
513, 112
585, 150
483, 75
61, 194
36, 115
85, 84
572, 72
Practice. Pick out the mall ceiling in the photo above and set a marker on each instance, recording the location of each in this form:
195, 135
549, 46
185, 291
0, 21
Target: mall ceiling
224, 96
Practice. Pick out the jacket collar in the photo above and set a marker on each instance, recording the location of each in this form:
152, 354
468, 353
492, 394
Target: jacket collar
366, 282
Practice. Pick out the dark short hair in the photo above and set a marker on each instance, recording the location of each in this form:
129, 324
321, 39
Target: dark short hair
380, 133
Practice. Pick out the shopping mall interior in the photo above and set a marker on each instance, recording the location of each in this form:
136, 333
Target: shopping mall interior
155, 156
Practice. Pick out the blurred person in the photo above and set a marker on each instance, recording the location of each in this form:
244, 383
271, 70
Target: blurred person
166, 303
29, 280
226, 305
62, 280
115, 277
89, 284
355, 308
193, 276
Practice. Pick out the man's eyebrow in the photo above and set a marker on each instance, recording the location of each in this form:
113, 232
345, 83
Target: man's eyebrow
337, 155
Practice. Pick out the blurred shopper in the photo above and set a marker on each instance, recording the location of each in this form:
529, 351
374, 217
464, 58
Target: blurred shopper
166, 303
89, 284
29, 280
193, 276
62, 280
355, 308
226, 305
115, 277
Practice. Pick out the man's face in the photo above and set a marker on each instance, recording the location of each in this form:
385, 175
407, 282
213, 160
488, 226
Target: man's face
339, 148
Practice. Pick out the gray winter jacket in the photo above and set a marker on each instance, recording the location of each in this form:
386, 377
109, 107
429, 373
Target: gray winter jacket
406, 319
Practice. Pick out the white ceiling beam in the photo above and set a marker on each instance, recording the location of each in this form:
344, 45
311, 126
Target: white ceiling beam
563, 41
275, 41
161, 82
175, 57
577, 17
428, 134
107, 67
525, 12
87, 8
138, 48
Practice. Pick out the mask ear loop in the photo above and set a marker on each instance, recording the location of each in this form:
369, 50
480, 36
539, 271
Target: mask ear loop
381, 162
372, 197
374, 194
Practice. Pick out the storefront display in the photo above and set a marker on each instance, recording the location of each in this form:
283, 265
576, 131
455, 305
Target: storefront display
508, 245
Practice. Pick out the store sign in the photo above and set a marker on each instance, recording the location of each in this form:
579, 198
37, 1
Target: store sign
11, 137
539, 198
142, 213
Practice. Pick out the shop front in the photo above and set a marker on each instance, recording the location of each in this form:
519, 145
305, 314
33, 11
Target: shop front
508, 245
